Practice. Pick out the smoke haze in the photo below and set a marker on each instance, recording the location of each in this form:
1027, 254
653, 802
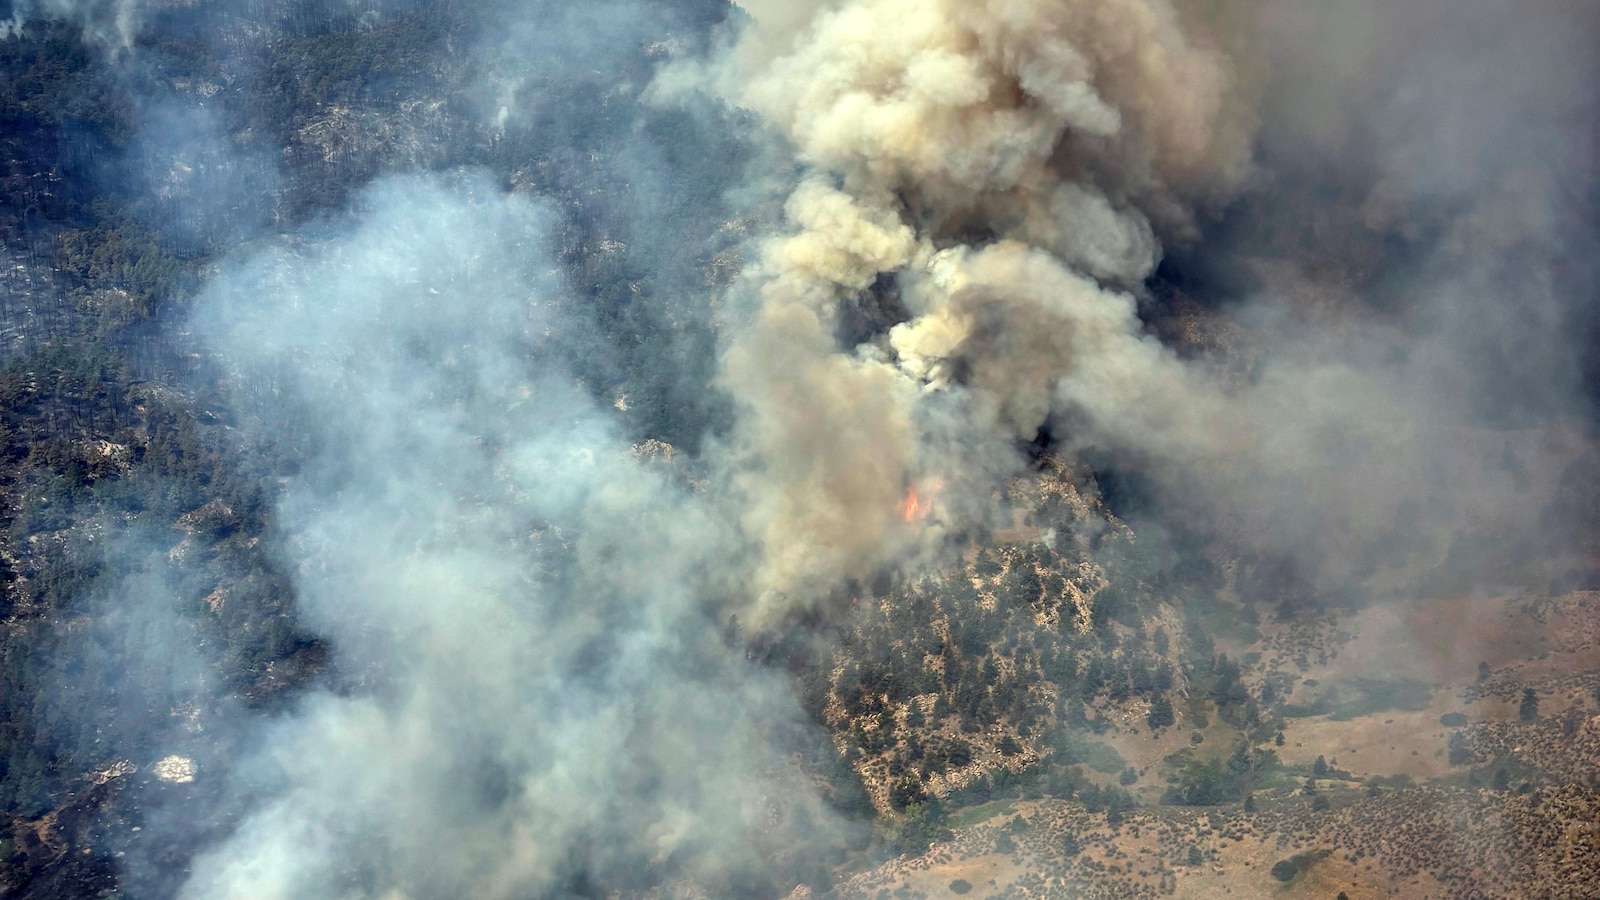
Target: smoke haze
528, 597
1310, 282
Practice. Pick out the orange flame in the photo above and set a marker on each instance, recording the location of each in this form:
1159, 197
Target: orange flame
914, 509
917, 508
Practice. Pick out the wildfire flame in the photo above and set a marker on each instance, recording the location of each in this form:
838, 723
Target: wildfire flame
917, 507
914, 509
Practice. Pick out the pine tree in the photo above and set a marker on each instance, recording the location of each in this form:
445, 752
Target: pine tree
1161, 715
1528, 710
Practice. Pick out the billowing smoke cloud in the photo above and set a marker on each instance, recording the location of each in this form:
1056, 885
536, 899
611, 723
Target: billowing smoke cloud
1054, 134
1004, 174
539, 698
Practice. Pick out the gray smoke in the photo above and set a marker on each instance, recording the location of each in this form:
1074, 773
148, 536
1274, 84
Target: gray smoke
523, 604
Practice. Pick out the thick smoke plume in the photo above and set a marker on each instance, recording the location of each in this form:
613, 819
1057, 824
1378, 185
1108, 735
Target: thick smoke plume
1055, 134
1005, 175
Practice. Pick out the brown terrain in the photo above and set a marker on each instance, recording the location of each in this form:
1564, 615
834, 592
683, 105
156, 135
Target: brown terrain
1395, 815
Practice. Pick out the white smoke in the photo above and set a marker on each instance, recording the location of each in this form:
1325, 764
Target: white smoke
527, 606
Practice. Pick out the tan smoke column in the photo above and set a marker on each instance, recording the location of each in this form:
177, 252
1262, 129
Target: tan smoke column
1032, 335
1072, 131
832, 430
